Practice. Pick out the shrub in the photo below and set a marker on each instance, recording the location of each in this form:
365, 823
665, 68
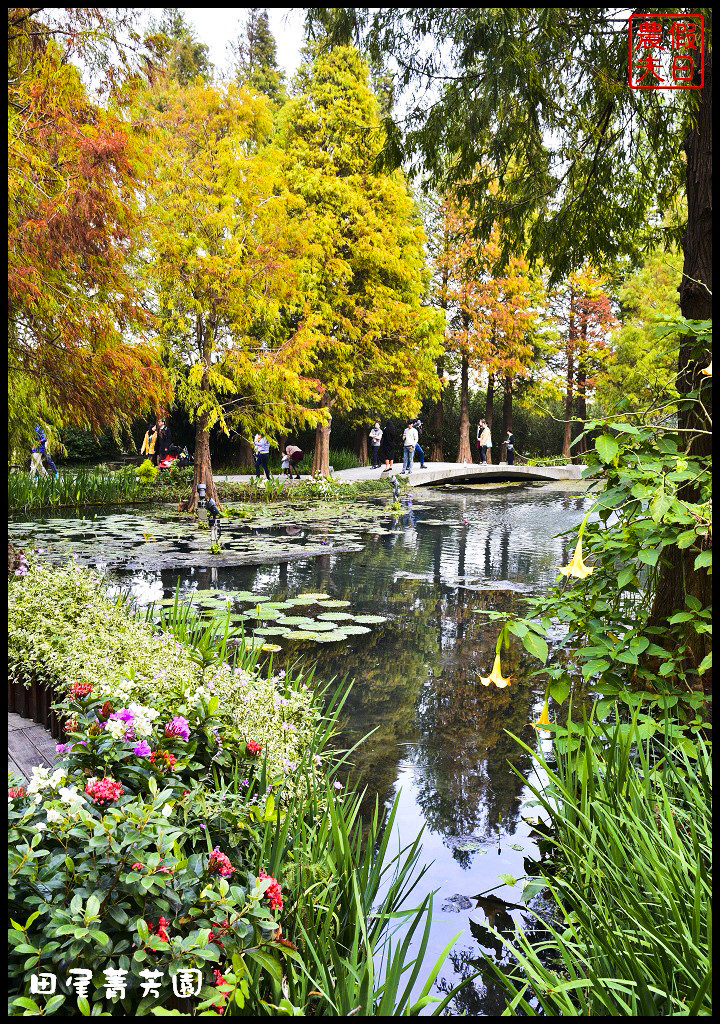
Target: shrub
146, 473
126, 660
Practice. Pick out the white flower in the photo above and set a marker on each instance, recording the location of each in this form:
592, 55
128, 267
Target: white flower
116, 729
40, 826
167, 810
69, 794
54, 816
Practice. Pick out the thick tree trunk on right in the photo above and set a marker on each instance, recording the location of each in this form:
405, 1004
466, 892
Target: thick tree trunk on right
678, 577
464, 450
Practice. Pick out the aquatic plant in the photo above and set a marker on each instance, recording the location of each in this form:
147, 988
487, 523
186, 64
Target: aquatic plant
630, 877
74, 488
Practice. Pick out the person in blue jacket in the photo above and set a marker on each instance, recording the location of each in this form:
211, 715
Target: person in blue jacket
40, 452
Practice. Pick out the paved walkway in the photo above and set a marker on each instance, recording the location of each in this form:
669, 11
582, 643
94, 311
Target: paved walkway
446, 472
29, 746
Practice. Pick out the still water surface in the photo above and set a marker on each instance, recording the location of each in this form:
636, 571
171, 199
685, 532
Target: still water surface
440, 738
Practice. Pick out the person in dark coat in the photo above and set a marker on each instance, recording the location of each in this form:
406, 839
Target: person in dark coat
388, 447
164, 440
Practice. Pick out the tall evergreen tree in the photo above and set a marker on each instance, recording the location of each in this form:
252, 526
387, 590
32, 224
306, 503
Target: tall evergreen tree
177, 49
254, 56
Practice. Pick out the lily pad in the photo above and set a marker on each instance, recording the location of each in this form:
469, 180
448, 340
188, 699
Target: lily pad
302, 634
313, 597
271, 647
355, 630
247, 595
295, 620
336, 604
263, 613
336, 616
270, 631
369, 620
324, 627
337, 634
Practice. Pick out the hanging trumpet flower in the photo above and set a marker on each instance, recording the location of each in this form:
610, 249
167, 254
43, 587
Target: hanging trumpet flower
577, 567
544, 718
496, 675
707, 370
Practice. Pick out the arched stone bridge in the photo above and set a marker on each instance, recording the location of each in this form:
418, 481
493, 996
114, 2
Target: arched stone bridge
454, 473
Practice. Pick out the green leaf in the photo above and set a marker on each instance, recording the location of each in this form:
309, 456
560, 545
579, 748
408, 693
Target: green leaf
269, 963
559, 689
508, 879
606, 447
703, 560
536, 645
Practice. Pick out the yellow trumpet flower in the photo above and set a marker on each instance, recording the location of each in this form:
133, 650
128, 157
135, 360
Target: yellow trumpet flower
544, 718
496, 675
577, 567
707, 370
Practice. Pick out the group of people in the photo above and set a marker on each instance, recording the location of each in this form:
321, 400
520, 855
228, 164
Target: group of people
484, 443
292, 456
383, 443
157, 441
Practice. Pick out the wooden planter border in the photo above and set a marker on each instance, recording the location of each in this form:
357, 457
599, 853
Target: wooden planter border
34, 702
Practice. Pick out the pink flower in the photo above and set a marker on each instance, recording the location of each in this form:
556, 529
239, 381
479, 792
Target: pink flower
179, 729
104, 791
273, 892
253, 748
220, 864
142, 749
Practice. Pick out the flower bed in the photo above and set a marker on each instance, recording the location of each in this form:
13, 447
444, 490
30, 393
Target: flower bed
192, 852
125, 661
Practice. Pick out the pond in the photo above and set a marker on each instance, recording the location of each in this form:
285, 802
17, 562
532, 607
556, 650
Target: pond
419, 579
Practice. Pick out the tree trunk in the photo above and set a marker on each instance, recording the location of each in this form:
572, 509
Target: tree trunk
361, 445
580, 413
245, 458
507, 413
678, 577
490, 401
321, 455
203, 466
436, 452
464, 451
570, 379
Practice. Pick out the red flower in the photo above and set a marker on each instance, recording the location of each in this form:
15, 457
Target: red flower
138, 867
162, 932
273, 892
104, 791
80, 690
71, 725
17, 794
219, 864
165, 759
253, 748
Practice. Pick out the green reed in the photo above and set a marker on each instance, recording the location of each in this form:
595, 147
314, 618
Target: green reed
631, 820
74, 488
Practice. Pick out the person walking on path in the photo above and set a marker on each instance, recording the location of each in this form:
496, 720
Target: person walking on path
294, 456
150, 442
510, 444
261, 446
388, 447
418, 427
375, 439
410, 439
40, 452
